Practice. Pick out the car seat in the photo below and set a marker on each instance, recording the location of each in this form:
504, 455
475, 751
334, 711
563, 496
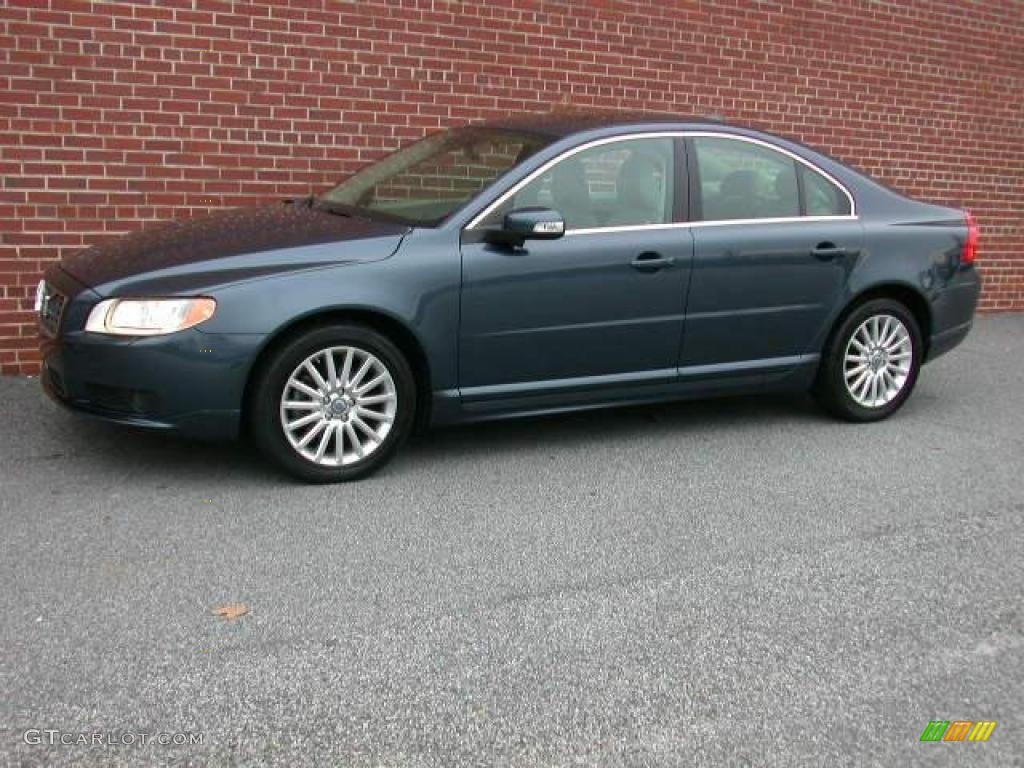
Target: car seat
570, 194
736, 198
640, 190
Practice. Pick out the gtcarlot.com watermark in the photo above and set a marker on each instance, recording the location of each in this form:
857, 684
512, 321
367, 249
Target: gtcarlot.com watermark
56, 738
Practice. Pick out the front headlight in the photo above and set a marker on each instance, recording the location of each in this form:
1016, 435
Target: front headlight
148, 317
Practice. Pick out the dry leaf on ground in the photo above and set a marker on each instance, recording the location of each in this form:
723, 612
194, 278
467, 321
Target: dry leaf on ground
231, 612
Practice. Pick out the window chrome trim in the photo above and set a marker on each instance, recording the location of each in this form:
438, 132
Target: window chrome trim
698, 224
674, 224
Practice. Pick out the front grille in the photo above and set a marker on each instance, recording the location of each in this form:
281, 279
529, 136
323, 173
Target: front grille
50, 306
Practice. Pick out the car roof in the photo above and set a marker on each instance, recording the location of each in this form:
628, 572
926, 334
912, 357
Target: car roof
559, 124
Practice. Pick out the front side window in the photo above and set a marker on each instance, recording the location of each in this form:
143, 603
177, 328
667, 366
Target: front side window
426, 182
621, 183
740, 180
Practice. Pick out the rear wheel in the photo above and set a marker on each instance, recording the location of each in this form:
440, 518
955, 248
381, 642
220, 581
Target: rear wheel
333, 404
871, 363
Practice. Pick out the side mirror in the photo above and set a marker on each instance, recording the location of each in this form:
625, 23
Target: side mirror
525, 224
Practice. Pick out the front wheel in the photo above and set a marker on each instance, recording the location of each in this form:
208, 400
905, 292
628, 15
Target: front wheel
334, 403
872, 362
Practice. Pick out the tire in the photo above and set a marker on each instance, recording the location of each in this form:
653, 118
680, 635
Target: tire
878, 378
289, 403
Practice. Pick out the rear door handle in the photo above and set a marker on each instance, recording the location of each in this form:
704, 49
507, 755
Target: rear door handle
829, 251
649, 261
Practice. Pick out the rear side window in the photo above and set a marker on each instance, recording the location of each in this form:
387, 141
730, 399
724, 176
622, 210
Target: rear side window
739, 180
823, 198
742, 180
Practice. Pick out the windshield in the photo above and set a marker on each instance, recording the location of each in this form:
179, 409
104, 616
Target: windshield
426, 182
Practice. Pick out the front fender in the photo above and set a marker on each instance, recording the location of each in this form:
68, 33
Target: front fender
418, 286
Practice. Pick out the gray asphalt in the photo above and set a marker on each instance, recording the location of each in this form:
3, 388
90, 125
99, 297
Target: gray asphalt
739, 582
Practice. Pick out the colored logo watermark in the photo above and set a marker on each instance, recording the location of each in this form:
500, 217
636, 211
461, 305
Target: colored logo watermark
958, 730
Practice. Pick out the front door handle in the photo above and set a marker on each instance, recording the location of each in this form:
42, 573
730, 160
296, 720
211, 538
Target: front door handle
649, 261
829, 251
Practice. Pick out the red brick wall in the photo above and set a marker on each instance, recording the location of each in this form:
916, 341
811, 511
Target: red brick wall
115, 114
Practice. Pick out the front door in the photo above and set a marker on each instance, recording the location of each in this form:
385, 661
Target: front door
603, 305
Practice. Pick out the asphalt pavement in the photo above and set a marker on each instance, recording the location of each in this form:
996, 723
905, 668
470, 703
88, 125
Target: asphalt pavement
739, 582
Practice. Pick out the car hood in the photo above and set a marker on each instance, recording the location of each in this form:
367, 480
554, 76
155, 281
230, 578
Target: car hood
231, 245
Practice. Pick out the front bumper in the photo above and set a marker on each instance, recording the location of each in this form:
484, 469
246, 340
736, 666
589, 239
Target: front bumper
189, 382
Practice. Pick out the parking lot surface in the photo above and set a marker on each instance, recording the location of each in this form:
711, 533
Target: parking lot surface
737, 582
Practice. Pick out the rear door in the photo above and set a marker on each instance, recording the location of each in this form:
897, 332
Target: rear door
774, 242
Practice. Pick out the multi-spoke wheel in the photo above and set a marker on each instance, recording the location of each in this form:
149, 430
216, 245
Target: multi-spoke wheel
877, 362
872, 362
338, 406
333, 404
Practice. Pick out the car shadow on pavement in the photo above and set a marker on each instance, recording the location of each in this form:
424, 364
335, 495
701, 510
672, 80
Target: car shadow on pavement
626, 422
98, 448
43, 437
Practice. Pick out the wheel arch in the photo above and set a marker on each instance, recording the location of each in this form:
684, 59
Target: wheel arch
388, 325
905, 294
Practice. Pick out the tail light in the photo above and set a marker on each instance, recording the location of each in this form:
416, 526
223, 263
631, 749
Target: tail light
970, 251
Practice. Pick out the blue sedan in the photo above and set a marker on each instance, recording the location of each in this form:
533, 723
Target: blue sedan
522, 267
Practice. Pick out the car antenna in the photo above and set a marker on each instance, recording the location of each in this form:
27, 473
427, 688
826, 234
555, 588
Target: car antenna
306, 201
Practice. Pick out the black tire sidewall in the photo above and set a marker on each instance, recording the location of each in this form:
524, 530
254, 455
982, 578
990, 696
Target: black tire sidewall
834, 393
265, 417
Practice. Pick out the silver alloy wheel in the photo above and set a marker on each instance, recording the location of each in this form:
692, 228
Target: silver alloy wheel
338, 405
877, 362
